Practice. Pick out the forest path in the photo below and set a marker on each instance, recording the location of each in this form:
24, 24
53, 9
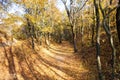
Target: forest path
56, 62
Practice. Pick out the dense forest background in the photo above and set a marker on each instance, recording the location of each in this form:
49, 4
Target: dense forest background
59, 39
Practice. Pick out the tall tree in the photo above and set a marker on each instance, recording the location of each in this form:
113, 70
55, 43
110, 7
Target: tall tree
107, 29
96, 2
34, 9
72, 12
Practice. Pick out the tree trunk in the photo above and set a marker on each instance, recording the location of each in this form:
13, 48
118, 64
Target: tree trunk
60, 38
113, 57
48, 39
93, 29
31, 32
106, 27
32, 37
118, 20
107, 30
92, 40
98, 40
82, 31
74, 38
40, 38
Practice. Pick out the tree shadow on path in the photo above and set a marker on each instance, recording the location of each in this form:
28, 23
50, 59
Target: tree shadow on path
10, 59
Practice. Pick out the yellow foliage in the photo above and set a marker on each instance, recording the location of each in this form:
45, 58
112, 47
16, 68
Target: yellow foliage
47, 29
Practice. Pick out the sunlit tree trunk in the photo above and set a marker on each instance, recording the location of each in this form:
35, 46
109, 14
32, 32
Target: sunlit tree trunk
106, 27
71, 16
110, 37
98, 40
82, 31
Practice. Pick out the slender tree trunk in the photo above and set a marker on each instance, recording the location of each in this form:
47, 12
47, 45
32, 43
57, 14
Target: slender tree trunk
31, 33
93, 29
48, 38
45, 38
89, 30
82, 31
118, 20
98, 40
113, 57
107, 30
112, 45
74, 38
32, 37
92, 40
71, 16
106, 27
60, 38
40, 38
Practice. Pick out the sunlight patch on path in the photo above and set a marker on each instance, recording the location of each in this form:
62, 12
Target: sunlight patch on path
65, 61
56, 63
53, 55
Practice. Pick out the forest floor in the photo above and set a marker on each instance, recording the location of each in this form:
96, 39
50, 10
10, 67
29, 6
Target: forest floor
56, 62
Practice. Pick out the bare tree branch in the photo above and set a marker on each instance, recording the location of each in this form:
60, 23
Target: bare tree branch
64, 1
67, 10
82, 6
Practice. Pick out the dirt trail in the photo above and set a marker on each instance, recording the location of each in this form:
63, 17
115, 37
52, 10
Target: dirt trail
56, 62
